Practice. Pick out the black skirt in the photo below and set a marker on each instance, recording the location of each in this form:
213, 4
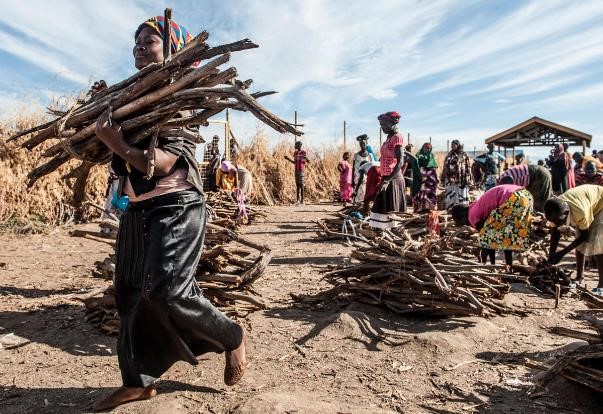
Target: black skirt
164, 316
392, 200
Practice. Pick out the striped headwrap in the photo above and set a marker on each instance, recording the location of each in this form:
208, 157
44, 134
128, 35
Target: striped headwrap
180, 36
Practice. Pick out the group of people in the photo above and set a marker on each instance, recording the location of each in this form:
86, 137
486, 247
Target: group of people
503, 213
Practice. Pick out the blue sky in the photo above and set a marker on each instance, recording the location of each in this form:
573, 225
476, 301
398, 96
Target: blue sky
454, 69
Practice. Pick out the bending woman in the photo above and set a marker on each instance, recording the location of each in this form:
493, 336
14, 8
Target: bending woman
164, 317
503, 216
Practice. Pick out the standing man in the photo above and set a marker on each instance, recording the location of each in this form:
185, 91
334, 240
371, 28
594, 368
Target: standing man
490, 161
299, 160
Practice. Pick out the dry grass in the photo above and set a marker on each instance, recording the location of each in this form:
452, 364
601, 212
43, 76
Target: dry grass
270, 169
48, 202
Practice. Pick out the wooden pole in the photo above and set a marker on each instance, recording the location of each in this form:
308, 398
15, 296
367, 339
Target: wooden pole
584, 147
345, 138
167, 35
227, 135
514, 156
295, 126
447, 145
408, 137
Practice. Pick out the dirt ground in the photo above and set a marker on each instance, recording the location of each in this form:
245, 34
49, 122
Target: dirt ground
353, 360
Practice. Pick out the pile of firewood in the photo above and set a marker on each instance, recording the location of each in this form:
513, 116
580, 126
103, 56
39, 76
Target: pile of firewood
223, 210
427, 264
229, 266
188, 84
408, 270
584, 364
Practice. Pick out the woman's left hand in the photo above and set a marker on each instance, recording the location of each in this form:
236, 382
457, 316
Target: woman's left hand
108, 131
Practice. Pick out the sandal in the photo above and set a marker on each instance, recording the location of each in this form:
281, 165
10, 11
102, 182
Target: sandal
234, 374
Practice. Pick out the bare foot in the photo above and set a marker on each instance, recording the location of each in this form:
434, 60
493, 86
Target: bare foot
123, 395
235, 363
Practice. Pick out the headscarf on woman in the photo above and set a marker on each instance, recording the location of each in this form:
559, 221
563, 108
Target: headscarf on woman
425, 157
180, 36
425, 180
392, 117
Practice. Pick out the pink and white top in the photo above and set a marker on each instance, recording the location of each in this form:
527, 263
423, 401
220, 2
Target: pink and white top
520, 175
172, 183
388, 153
491, 200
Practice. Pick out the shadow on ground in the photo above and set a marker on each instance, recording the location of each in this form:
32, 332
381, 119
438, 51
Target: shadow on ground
376, 325
74, 400
35, 293
59, 326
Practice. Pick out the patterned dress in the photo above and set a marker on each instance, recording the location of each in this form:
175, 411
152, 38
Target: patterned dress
457, 177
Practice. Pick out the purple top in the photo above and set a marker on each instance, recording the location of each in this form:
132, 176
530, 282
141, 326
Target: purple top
492, 199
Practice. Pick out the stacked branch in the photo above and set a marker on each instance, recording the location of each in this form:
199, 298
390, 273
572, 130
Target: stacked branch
229, 266
583, 365
408, 271
163, 99
223, 210
530, 267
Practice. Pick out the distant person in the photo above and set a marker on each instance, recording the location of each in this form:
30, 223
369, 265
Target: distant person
456, 175
541, 163
362, 186
226, 176
299, 160
360, 157
503, 216
490, 161
578, 158
582, 208
561, 169
345, 178
391, 194
245, 180
600, 156
590, 175
519, 159
534, 178
427, 174
213, 166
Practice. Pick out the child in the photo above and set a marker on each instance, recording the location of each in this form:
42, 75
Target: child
299, 160
582, 207
345, 178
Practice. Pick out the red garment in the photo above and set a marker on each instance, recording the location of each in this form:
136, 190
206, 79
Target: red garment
388, 153
373, 182
299, 156
490, 200
345, 181
596, 179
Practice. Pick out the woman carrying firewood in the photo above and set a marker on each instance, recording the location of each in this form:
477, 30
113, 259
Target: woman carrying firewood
503, 216
391, 195
164, 316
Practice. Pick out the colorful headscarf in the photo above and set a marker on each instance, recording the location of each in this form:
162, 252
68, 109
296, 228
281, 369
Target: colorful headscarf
392, 117
425, 157
180, 36
227, 166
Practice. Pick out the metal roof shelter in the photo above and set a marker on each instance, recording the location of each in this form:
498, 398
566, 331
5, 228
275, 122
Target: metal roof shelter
538, 132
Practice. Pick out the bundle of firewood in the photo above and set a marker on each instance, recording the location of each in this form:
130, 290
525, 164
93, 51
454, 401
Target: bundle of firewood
223, 210
229, 266
583, 365
408, 270
530, 267
188, 84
